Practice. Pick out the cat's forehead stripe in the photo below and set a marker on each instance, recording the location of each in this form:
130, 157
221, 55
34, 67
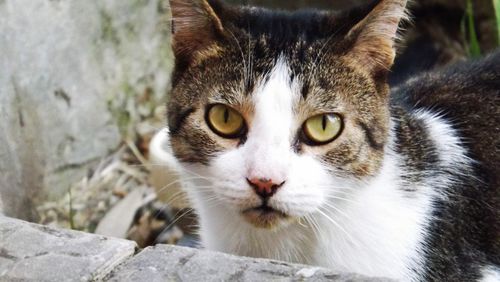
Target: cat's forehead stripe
277, 82
274, 100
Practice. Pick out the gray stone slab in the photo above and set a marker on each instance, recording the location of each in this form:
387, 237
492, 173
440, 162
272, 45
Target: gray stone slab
67, 72
31, 252
172, 263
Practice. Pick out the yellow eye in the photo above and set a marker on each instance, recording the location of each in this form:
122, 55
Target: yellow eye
225, 121
322, 129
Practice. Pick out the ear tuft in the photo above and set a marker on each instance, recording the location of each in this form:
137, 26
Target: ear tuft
375, 36
195, 27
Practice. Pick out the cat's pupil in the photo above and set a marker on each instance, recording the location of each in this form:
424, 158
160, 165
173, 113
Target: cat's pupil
226, 116
324, 124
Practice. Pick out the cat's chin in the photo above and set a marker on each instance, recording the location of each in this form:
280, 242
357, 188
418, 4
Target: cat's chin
266, 217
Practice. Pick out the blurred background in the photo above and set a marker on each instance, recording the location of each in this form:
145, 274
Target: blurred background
82, 92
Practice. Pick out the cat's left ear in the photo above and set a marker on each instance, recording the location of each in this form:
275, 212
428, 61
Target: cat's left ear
374, 37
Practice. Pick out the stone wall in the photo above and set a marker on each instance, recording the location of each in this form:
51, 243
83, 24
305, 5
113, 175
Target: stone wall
31, 252
66, 69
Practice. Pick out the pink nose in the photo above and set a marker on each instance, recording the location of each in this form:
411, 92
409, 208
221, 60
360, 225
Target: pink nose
264, 187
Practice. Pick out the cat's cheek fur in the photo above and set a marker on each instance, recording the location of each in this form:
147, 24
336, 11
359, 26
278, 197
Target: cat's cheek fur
228, 174
308, 185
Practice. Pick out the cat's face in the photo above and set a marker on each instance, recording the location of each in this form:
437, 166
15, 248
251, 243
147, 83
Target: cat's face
280, 114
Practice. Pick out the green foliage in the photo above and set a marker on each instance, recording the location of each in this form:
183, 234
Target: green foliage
71, 211
496, 5
469, 30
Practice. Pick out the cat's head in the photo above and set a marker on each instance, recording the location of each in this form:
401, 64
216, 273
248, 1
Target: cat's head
281, 113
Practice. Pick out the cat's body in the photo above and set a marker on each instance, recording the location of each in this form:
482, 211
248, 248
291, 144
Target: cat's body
466, 224
285, 126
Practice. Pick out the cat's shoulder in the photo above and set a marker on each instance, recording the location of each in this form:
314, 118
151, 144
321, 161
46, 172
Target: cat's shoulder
467, 95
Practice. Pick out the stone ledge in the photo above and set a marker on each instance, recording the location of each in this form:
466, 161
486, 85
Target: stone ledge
39, 253
172, 263
31, 252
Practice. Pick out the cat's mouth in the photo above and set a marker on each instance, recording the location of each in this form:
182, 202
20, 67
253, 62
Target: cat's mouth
264, 216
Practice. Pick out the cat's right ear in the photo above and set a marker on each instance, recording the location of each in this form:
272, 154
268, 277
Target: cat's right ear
195, 29
375, 35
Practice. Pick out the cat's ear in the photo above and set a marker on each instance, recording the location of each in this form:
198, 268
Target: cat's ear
375, 35
195, 27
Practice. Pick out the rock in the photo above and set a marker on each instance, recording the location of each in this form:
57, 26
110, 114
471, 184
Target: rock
40, 253
171, 263
31, 252
69, 72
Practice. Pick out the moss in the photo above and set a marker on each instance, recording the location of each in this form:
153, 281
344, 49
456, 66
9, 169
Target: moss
108, 31
117, 105
130, 30
139, 4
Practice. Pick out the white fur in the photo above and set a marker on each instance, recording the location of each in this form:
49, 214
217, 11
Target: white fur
452, 154
372, 227
490, 274
268, 145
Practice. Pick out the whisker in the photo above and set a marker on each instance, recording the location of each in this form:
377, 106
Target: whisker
337, 225
177, 196
175, 182
337, 210
250, 61
178, 218
245, 75
343, 199
314, 226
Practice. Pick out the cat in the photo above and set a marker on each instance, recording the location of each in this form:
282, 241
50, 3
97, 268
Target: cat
296, 148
